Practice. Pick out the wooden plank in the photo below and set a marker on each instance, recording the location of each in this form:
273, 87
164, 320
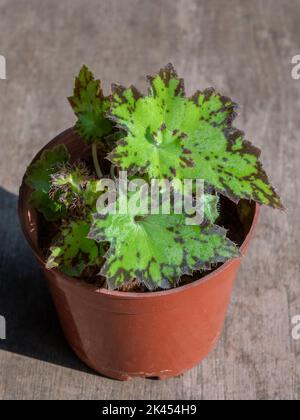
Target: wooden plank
242, 48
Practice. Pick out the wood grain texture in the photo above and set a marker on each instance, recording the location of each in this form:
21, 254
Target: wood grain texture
242, 48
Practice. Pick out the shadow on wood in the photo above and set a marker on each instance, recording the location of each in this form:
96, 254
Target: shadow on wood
32, 327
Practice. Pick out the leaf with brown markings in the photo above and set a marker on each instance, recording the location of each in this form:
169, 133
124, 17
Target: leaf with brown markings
168, 135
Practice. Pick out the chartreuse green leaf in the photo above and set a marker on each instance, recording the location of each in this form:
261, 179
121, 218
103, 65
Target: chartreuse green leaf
72, 252
157, 249
211, 208
90, 105
171, 135
73, 186
38, 177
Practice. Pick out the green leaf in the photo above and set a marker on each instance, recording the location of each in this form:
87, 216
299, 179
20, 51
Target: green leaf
72, 252
157, 249
211, 207
171, 135
75, 188
38, 177
91, 193
90, 105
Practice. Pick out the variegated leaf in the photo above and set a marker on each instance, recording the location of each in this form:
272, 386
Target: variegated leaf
170, 135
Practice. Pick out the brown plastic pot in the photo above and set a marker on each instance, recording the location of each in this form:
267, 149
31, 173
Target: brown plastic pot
124, 335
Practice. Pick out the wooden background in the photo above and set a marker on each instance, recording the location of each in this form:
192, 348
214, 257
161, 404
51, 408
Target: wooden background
244, 49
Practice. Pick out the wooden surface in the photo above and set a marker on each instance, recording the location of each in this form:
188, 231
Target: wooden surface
243, 48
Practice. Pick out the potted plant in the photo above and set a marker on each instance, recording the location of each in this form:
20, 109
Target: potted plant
139, 292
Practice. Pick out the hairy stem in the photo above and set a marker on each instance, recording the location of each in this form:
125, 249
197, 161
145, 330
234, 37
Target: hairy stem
112, 171
96, 161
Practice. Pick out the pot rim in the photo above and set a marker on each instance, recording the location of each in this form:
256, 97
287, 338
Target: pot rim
23, 209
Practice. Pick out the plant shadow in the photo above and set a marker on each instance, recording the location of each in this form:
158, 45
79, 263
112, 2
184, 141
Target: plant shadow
32, 327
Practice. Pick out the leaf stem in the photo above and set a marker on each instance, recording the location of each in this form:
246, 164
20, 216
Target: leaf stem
96, 161
112, 171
